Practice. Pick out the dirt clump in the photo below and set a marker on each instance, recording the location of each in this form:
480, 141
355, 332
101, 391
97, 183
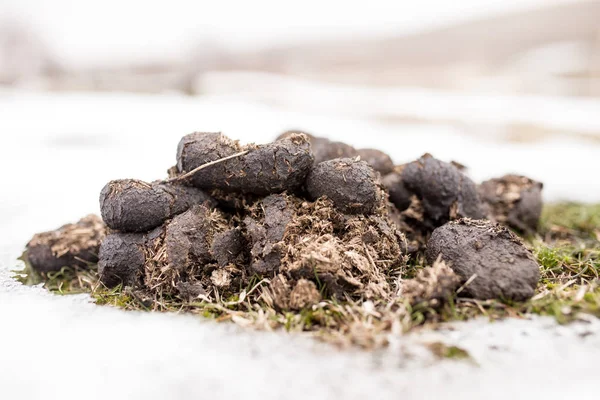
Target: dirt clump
131, 205
352, 185
490, 259
255, 169
71, 245
513, 200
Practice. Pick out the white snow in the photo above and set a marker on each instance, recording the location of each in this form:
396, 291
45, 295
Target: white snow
65, 347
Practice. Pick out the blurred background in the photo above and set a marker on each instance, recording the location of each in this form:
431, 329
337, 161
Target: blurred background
91, 91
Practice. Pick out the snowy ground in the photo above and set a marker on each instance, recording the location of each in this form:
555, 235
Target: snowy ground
58, 150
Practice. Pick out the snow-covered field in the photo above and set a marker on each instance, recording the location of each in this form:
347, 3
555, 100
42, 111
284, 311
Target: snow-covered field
484, 109
58, 150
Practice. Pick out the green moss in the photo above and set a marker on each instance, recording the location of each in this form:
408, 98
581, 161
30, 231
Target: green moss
443, 350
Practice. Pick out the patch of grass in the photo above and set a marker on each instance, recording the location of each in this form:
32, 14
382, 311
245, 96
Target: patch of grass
442, 350
568, 251
571, 221
66, 281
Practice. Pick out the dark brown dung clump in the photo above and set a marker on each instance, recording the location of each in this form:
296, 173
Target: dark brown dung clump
265, 227
513, 200
72, 245
377, 159
444, 193
304, 233
352, 185
130, 205
190, 245
399, 195
488, 257
325, 149
122, 259
262, 170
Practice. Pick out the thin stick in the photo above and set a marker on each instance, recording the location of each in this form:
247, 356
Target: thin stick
192, 172
467, 283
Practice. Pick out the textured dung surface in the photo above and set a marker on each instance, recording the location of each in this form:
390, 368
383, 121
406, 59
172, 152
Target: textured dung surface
228, 247
399, 195
130, 205
351, 185
513, 200
188, 239
121, 259
504, 267
72, 245
184, 197
325, 150
265, 234
445, 193
265, 169
380, 161
199, 148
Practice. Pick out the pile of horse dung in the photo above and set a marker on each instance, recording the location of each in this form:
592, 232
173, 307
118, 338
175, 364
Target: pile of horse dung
302, 231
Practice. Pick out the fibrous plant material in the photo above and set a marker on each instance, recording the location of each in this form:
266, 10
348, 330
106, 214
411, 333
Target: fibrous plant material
294, 295
443, 191
130, 205
513, 200
304, 295
346, 255
491, 261
72, 245
352, 185
434, 284
350, 256
261, 170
